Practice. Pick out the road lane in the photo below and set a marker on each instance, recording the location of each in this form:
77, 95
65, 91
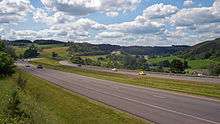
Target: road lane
150, 74
155, 105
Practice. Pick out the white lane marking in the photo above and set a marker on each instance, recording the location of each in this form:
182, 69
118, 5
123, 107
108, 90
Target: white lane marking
159, 96
154, 106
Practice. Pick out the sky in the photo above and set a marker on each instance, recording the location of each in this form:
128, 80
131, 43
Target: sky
120, 22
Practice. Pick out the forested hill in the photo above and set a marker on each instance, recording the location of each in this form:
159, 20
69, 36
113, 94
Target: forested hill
39, 42
204, 50
101, 49
94, 49
46, 42
157, 50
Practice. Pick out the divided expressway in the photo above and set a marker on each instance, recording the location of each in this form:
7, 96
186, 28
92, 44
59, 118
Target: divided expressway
150, 74
157, 106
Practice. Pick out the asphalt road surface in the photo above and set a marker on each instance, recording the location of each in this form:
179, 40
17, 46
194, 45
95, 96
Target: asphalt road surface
155, 105
150, 74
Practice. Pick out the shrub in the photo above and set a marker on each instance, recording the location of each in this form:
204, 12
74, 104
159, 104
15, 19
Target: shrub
214, 69
6, 65
21, 82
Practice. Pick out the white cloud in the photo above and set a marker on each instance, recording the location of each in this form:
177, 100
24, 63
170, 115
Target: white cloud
110, 35
14, 10
159, 11
41, 15
188, 3
84, 7
151, 21
197, 16
112, 14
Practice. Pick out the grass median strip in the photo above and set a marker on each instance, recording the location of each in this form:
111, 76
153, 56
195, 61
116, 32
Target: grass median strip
49, 104
190, 87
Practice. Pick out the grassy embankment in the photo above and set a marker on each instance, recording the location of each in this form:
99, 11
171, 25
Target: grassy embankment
48, 104
190, 87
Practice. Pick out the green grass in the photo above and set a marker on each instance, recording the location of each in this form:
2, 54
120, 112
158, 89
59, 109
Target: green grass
190, 87
194, 64
47, 61
159, 59
201, 64
49, 104
19, 50
93, 57
47, 52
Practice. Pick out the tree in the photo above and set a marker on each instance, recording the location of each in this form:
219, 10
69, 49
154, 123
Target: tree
4, 46
54, 55
6, 64
31, 52
214, 69
130, 62
177, 66
6, 61
77, 60
164, 63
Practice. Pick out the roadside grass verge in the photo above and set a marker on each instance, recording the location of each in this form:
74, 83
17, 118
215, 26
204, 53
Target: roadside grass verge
47, 61
50, 104
189, 87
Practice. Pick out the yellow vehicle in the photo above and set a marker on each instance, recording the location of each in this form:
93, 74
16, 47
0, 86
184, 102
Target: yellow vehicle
141, 73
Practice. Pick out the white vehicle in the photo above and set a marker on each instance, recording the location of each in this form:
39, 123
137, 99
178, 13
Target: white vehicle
200, 75
114, 69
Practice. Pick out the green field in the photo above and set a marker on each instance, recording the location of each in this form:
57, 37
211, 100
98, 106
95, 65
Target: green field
193, 64
45, 50
49, 104
19, 50
190, 87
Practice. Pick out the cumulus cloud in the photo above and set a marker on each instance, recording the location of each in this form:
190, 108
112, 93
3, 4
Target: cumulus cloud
84, 7
197, 16
159, 11
40, 15
151, 21
14, 10
110, 35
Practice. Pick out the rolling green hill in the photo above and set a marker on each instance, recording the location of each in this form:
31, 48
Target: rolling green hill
204, 50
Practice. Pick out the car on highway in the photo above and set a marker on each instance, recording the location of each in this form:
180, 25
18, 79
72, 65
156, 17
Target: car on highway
40, 67
79, 65
141, 73
114, 69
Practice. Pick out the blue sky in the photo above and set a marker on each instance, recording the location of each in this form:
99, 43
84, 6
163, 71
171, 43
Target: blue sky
122, 22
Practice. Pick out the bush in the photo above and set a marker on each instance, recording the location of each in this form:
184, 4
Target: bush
177, 66
14, 113
214, 69
6, 65
31, 52
77, 60
21, 82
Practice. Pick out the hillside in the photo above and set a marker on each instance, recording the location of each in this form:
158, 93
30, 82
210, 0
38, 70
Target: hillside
101, 49
46, 42
204, 50
156, 50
